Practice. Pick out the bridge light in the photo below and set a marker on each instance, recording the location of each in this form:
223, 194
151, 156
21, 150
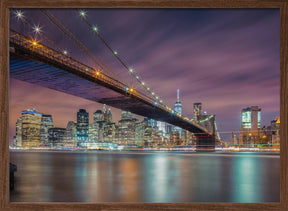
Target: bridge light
131, 89
19, 14
153, 93
95, 29
37, 29
157, 97
127, 88
131, 70
143, 83
82, 13
137, 77
65, 52
161, 101
148, 88
115, 52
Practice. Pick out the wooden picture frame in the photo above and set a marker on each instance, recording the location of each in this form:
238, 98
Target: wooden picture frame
4, 104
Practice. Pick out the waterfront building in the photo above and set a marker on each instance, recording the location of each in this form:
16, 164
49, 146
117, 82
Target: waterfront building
250, 126
109, 133
139, 133
93, 133
46, 123
162, 127
147, 137
234, 140
82, 128
270, 135
126, 128
70, 135
56, 137
31, 123
19, 132
175, 138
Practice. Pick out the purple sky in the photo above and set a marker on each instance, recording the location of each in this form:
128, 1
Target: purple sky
226, 59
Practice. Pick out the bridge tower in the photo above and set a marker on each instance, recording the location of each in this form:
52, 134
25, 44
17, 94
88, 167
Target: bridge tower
205, 142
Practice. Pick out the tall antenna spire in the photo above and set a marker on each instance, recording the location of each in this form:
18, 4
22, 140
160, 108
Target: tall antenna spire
178, 95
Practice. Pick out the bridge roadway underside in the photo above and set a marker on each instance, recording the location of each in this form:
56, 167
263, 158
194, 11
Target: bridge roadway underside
64, 79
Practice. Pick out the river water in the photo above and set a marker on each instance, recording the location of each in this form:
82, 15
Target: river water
145, 177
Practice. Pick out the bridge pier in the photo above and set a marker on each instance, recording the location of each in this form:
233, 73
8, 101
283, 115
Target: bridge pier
205, 143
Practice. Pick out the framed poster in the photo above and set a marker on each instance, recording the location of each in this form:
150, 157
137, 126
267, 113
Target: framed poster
62, 156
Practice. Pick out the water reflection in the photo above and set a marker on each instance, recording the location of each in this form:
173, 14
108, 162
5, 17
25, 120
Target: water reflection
145, 177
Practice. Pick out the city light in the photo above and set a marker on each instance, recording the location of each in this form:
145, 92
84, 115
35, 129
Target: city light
131, 89
65, 52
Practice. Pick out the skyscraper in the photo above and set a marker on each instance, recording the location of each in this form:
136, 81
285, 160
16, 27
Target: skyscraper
250, 125
162, 127
127, 128
178, 104
31, 122
94, 131
70, 136
46, 123
178, 109
109, 119
82, 127
56, 137
98, 116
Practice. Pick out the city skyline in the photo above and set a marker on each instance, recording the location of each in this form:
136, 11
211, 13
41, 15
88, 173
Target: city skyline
206, 40
86, 130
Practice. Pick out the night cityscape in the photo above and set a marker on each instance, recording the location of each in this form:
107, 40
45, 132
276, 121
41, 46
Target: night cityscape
36, 130
141, 105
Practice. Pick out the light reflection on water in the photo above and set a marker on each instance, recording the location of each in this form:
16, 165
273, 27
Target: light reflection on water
145, 177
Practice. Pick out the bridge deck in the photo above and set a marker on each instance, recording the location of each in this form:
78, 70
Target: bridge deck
40, 69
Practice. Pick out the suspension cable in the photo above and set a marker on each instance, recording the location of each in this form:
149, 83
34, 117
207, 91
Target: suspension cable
116, 56
76, 41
